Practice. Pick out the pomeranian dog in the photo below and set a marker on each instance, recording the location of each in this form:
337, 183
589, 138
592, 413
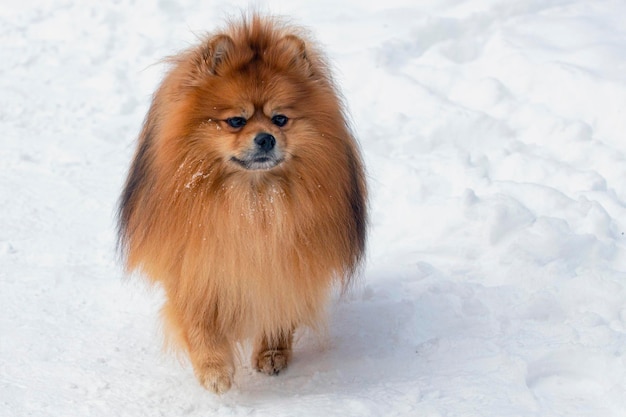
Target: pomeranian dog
246, 198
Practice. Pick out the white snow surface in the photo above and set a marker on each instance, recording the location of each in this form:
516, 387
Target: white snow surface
495, 282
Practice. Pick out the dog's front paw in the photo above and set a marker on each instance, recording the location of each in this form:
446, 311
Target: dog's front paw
272, 361
214, 378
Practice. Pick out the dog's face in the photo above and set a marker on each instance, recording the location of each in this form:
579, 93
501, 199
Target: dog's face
251, 124
255, 113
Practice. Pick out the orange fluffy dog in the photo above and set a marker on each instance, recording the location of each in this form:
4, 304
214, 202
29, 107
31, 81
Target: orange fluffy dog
246, 199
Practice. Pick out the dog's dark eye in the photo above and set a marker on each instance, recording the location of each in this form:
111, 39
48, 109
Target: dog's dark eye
236, 122
280, 120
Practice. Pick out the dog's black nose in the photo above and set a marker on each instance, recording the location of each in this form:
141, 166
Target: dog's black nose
265, 141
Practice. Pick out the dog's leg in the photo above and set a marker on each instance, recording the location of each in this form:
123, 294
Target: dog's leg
212, 360
210, 351
272, 356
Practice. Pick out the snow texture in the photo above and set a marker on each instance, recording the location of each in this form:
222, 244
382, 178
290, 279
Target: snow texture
493, 132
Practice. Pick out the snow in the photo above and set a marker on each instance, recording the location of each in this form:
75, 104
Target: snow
493, 132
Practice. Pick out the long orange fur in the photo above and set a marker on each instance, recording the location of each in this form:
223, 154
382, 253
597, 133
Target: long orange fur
244, 253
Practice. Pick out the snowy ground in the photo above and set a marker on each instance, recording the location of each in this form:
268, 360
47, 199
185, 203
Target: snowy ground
493, 132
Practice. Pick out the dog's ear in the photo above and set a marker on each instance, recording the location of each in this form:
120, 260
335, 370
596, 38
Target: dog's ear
215, 53
293, 50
